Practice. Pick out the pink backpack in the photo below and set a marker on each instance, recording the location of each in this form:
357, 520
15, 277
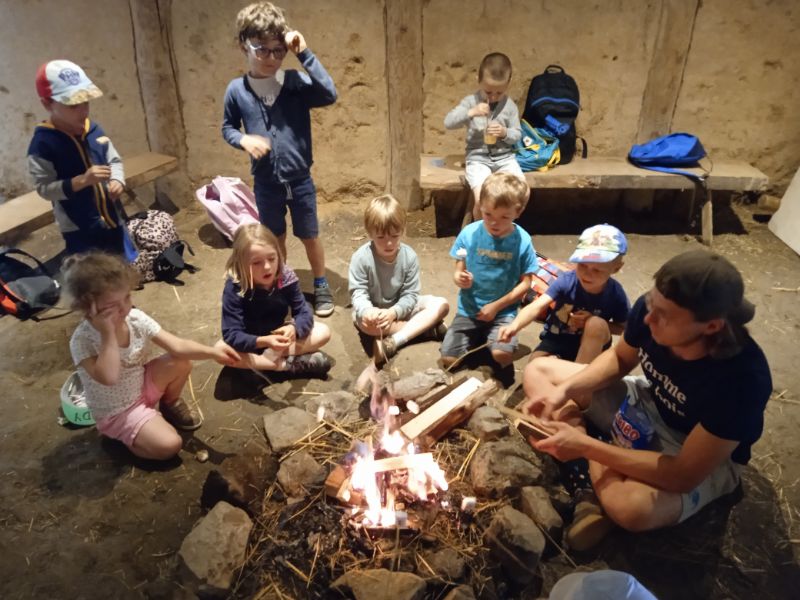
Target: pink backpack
229, 203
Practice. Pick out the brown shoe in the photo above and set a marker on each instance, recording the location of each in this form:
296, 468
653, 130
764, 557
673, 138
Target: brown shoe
181, 415
382, 351
589, 525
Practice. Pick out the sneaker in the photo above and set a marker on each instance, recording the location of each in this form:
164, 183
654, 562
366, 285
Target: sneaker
314, 364
435, 333
323, 301
382, 351
181, 415
589, 525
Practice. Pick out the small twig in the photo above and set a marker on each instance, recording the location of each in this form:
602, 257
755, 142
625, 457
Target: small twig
784, 289
313, 564
297, 571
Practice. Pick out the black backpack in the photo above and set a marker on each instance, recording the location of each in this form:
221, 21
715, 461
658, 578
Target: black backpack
25, 289
169, 263
553, 104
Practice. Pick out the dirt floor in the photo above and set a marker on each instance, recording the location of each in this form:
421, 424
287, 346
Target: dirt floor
82, 518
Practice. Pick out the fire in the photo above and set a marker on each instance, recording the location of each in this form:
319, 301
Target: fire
403, 473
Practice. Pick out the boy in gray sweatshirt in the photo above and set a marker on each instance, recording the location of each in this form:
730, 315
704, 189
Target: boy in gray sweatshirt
492, 122
385, 287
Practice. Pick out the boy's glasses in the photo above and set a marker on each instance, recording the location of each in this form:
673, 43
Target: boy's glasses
264, 52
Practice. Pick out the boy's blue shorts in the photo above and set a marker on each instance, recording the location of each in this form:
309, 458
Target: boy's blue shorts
466, 333
299, 196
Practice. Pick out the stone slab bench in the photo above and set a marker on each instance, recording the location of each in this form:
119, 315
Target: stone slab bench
27, 213
446, 173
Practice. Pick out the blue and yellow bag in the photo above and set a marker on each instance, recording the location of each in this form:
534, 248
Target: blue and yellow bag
536, 150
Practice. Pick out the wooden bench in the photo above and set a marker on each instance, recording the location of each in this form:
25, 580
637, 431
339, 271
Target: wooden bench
29, 212
446, 173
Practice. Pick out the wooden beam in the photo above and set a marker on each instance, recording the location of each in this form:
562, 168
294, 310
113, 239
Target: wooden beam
665, 76
447, 173
25, 214
157, 73
440, 410
404, 79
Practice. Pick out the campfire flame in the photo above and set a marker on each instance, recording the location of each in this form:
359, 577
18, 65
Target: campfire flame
423, 477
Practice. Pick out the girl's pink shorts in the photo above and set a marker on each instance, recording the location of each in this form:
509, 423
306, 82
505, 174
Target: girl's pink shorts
125, 426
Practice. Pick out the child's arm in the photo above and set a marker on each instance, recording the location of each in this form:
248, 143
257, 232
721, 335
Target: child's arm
462, 277
358, 285
513, 127
409, 291
106, 367
322, 91
191, 350
466, 109
301, 313
50, 187
524, 318
489, 311
116, 183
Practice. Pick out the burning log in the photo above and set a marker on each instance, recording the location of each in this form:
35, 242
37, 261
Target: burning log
448, 412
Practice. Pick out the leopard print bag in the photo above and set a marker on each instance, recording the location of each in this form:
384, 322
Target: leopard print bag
152, 232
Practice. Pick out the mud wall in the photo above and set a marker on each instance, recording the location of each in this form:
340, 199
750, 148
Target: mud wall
96, 35
734, 69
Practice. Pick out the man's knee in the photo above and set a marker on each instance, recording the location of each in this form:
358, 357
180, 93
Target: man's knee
596, 328
540, 368
632, 508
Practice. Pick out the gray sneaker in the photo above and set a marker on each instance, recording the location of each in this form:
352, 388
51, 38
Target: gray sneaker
314, 364
323, 301
181, 415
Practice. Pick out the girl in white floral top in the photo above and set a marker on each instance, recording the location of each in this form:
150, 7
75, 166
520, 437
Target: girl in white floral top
110, 348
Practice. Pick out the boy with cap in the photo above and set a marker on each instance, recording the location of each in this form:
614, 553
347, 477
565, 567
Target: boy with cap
696, 411
76, 166
584, 307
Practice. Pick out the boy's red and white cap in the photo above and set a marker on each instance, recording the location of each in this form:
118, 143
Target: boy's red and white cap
65, 82
599, 244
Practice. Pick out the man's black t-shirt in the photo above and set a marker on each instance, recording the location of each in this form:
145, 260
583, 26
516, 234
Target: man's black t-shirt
727, 397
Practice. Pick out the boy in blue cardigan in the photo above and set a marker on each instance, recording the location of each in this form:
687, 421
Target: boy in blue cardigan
273, 107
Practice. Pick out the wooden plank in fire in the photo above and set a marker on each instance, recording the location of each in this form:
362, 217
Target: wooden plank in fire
460, 414
441, 409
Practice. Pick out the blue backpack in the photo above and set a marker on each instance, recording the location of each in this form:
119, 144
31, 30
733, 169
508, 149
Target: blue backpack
669, 151
536, 150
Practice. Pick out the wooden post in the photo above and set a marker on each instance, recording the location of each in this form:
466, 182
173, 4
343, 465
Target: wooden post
664, 79
155, 69
708, 219
403, 24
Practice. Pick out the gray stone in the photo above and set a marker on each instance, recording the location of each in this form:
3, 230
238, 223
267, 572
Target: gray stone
299, 472
535, 502
447, 564
215, 549
516, 542
340, 406
286, 426
488, 424
419, 384
381, 584
506, 465
462, 592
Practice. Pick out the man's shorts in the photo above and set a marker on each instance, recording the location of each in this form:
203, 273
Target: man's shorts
466, 333
125, 426
423, 302
299, 196
477, 172
605, 403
